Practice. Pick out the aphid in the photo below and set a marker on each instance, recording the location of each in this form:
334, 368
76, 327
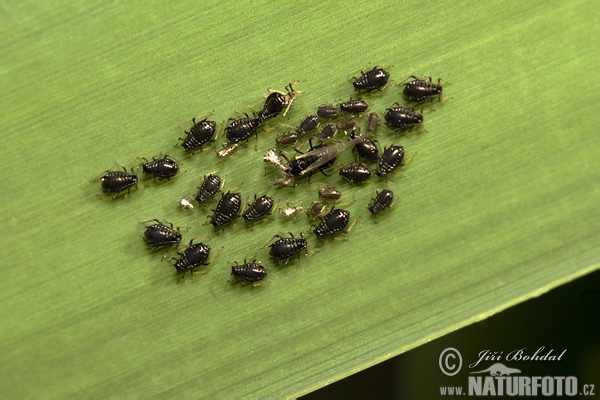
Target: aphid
225, 152
300, 164
193, 256
226, 209
259, 208
381, 201
372, 123
335, 220
420, 90
355, 173
210, 186
287, 139
161, 167
287, 247
402, 118
390, 159
289, 212
158, 235
346, 125
322, 156
310, 123
286, 181
117, 181
354, 106
249, 272
366, 148
327, 132
277, 101
185, 203
329, 193
315, 209
327, 111
374, 79
241, 129
200, 133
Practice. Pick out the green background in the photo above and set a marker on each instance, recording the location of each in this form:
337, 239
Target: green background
499, 204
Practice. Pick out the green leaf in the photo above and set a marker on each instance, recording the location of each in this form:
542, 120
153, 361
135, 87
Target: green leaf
499, 204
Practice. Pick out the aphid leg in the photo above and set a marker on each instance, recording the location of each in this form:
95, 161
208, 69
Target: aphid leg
165, 254
346, 231
323, 172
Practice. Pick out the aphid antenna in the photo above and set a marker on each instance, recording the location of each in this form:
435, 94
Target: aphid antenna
278, 236
233, 189
407, 161
215, 256
154, 220
203, 115
94, 179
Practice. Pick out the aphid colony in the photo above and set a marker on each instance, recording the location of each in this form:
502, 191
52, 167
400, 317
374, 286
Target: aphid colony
324, 148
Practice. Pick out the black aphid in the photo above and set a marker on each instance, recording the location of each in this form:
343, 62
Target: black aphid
366, 148
210, 186
259, 208
354, 106
310, 123
402, 118
200, 133
161, 167
286, 139
118, 181
330, 193
241, 129
298, 165
327, 111
355, 173
372, 123
249, 272
287, 247
420, 90
374, 79
315, 210
390, 159
326, 133
227, 208
276, 102
346, 125
381, 201
193, 256
158, 235
335, 221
